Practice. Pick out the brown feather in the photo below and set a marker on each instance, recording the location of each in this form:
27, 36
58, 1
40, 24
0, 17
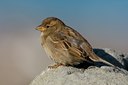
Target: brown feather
65, 45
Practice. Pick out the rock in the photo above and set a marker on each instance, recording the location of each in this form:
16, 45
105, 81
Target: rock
91, 76
116, 58
104, 75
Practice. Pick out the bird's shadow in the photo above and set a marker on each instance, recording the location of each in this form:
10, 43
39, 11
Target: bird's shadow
105, 56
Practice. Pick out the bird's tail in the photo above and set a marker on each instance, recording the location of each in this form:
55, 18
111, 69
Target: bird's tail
96, 58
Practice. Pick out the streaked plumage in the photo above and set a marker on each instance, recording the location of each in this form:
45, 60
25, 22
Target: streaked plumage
65, 45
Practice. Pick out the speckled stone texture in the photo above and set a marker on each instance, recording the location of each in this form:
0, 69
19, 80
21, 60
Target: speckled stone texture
104, 75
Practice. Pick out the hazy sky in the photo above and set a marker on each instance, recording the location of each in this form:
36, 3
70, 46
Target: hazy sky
104, 23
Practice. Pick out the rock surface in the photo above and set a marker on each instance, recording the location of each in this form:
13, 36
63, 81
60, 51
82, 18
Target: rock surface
116, 58
104, 75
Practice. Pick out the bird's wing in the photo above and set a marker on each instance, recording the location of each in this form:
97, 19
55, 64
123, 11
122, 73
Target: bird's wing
72, 41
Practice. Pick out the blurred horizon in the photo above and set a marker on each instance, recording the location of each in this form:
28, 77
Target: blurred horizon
103, 23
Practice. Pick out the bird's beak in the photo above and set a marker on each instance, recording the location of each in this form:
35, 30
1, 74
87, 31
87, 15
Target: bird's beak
40, 28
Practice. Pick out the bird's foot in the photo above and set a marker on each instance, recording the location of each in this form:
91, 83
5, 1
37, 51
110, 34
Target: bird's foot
55, 66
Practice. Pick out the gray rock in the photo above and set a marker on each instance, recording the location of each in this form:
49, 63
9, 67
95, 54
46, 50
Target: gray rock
118, 59
104, 75
91, 76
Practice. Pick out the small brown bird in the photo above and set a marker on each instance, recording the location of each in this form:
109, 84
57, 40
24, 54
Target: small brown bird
64, 45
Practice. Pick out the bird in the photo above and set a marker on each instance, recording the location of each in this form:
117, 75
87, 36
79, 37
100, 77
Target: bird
64, 45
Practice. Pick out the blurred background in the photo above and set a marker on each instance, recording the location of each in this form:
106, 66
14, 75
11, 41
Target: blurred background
104, 23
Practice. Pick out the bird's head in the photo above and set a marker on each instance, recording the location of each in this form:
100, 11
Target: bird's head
50, 24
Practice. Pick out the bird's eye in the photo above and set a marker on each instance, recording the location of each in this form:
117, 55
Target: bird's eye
47, 26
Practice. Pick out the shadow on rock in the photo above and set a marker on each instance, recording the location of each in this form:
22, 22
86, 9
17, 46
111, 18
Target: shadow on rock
109, 58
105, 56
